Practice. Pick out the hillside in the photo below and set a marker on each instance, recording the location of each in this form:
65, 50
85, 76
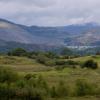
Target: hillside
22, 64
6, 46
34, 75
72, 35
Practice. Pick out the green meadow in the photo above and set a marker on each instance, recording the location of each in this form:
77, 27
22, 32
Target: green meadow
27, 67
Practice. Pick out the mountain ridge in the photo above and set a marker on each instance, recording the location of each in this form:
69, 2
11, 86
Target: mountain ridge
87, 34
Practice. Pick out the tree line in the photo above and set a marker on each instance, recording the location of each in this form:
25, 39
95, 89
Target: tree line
52, 59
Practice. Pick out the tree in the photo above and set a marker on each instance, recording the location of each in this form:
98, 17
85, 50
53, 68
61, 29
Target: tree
42, 59
66, 51
17, 52
90, 64
51, 55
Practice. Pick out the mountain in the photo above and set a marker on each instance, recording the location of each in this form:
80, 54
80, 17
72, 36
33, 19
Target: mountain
7, 46
41, 37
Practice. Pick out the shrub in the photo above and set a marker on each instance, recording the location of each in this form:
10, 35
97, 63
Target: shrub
84, 88
28, 93
28, 76
90, 64
21, 83
37, 97
53, 92
51, 55
3, 90
66, 51
7, 75
7, 91
59, 68
41, 82
62, 90
60, 62
71, 62
41, 59
50, 63
18, 52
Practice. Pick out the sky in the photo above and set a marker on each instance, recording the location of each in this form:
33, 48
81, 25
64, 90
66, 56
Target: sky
50, 12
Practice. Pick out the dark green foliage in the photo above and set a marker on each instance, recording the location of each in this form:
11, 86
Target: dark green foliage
35, 55
28, 76
46, 58
53, 92
90, 64
60, 62
21, 83
66, 51
6, 91
51, 55
18, 52
68, 62
37, 97
12, 87
42, 59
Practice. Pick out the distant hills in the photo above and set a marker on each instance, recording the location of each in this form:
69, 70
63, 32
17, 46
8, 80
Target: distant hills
46, 37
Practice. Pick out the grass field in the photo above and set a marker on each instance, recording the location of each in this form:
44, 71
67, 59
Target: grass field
68, 75
22, 64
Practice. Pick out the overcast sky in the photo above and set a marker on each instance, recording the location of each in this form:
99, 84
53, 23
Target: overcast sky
50, 12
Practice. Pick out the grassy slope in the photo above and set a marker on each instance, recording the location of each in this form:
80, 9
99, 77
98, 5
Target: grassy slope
81, 59
22, 64
68, 75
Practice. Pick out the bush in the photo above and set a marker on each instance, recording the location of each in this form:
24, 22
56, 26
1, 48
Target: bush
62, 90
41, 59
18, 52
66, 51
70, 62
90, 64
84, 88
50, 63
6, 92
53, 92
7, 75
51, 55
59, 68
28, 76
60, 62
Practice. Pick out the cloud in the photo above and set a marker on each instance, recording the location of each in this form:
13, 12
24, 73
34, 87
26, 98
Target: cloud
50, 12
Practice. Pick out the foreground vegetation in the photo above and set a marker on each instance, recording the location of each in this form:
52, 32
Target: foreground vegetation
43, 85
47, 76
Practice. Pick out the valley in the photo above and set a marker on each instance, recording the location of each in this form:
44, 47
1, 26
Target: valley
49, 50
